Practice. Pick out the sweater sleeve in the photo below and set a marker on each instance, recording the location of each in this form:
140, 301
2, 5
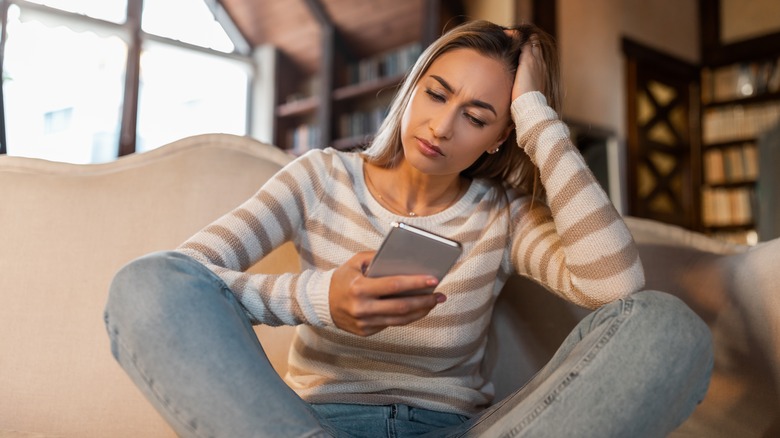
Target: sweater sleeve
236, 241
576, 244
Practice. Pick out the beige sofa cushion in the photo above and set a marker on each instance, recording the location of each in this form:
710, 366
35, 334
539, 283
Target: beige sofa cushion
64, 231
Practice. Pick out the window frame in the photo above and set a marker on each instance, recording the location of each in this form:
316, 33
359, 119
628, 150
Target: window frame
135, 38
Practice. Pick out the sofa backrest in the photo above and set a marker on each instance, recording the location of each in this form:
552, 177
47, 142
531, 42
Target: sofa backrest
64, 231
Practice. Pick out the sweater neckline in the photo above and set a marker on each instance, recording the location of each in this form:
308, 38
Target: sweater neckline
452, 211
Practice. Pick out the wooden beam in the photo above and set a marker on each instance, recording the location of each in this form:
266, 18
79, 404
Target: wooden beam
319, 12
327, 73
4, 11
544, 15
127, 132
430, 22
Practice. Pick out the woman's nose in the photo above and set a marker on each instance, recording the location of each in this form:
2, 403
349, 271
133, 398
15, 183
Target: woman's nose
442, 123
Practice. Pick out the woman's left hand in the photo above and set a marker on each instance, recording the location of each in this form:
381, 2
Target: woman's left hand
531, 69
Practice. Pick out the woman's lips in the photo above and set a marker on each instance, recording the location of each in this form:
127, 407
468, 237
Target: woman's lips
428, 149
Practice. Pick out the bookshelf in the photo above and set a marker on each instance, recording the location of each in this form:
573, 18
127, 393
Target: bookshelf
740, 101
342, 103
358, 102
697, 149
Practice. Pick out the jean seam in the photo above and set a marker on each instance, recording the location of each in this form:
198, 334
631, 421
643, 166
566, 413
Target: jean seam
549, 399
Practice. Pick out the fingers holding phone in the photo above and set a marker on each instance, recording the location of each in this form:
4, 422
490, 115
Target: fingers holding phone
364, 306
395, 285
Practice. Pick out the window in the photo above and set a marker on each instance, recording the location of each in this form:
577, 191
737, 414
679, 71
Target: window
184, 93
48, 68
167, 18
65, 77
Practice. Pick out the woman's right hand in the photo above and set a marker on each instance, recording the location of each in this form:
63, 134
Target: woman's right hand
365, 306
531, 69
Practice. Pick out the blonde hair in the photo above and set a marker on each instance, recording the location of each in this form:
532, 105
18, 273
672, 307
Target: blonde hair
510, 164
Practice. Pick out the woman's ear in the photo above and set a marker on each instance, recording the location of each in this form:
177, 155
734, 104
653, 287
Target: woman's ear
504, 135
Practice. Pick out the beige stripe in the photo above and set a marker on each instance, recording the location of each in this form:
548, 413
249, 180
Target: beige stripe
234, 242
444, 352
373, 397
593, 222
342, 176
356, 218
576, 184
211, 255
316, 178
607, 266
312, 381
387, 364
527, 257
554, 159
530, 137
585, 299
256, 227
489, 244
574, 294
239, 285
457, 221
295, 305
561, 283
277, 210
314, 260
349, 244
295, 187
464, 317
544, 263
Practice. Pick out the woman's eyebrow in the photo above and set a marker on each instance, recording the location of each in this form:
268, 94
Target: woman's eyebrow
475, 102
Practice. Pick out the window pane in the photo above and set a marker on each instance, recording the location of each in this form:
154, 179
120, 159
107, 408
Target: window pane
190, 21
109, 10
185, 93
63, 92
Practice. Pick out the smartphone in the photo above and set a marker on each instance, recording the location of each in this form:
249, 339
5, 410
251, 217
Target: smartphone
408, 250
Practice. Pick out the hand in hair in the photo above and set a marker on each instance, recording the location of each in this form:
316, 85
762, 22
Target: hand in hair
531, 68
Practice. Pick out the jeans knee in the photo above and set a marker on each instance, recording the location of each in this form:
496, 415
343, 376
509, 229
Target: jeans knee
675, 325
142, 284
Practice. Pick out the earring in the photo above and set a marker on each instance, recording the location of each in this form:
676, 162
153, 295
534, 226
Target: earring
491, 152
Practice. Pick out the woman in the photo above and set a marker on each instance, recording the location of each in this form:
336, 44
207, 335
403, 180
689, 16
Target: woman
471, 150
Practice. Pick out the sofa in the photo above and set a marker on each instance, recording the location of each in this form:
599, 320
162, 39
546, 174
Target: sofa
65, 230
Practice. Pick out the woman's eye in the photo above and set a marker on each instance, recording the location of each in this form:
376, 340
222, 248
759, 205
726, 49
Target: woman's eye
434, 95
475, 121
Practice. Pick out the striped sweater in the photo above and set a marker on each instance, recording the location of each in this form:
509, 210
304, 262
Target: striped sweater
578, 247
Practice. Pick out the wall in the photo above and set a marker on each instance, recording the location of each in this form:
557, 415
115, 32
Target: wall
742, 19
498, 11
592, 63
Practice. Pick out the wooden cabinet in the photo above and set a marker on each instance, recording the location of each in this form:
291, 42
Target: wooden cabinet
663, 160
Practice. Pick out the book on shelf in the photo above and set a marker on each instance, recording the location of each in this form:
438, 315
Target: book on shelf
740, 80
387, 64
361, 123
304, 137
733, 164
724, 207
738, 122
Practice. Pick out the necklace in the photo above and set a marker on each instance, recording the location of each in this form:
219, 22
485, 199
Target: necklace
389, 203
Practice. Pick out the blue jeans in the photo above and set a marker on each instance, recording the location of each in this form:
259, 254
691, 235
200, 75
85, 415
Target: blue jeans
636, 367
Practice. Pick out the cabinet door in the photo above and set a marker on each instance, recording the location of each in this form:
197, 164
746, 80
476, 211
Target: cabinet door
663, 170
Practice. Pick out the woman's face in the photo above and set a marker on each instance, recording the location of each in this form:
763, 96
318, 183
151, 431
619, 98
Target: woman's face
459, 110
